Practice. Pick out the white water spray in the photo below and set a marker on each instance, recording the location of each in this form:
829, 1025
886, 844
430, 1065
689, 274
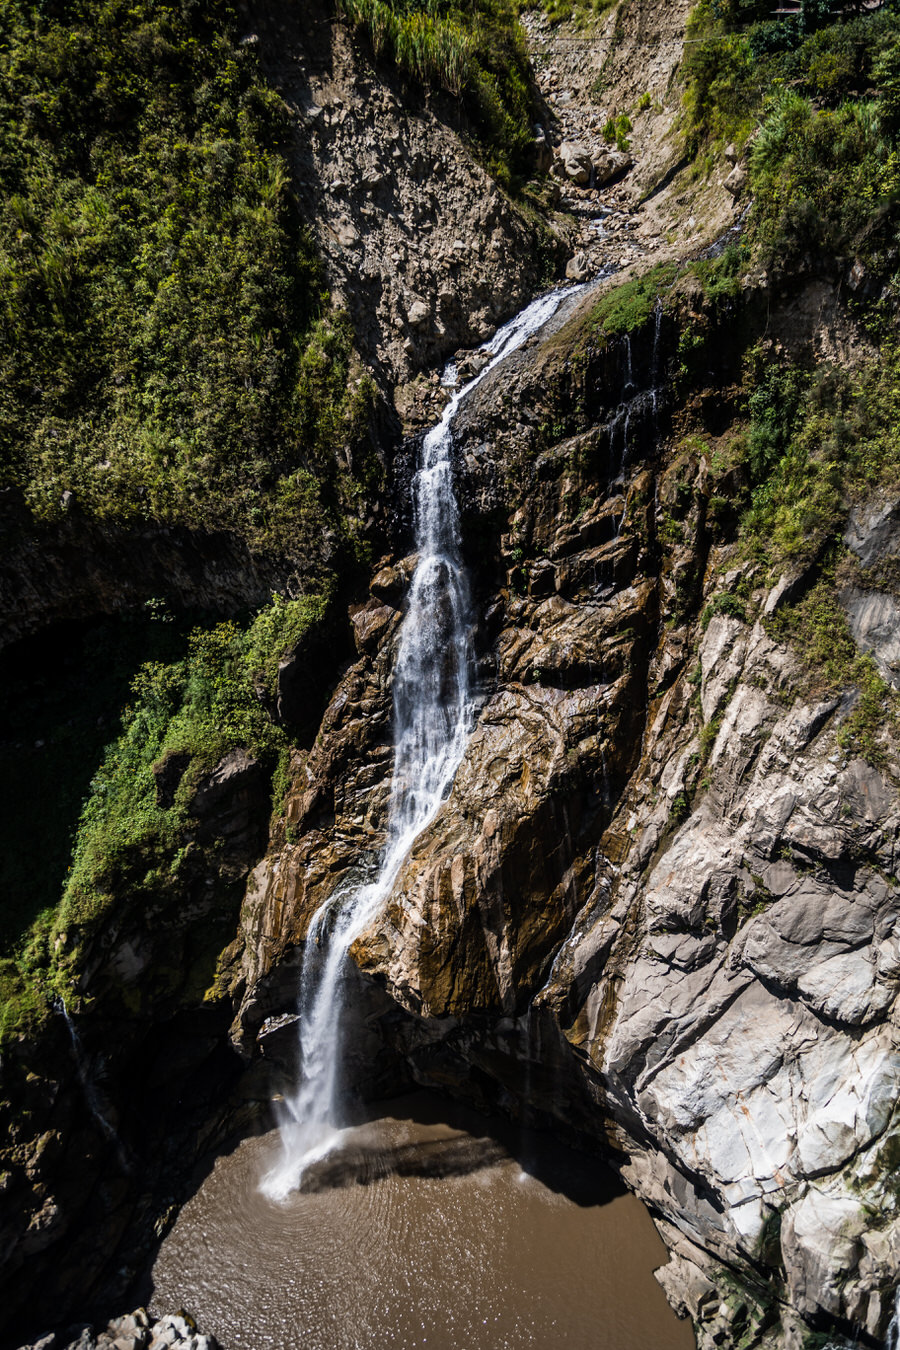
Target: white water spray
892, 1339
432, 712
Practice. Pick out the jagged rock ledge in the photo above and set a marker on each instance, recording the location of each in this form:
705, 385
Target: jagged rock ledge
133, 1331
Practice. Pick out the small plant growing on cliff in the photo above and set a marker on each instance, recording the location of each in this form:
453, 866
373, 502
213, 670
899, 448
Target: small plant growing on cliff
616, 132
722, 604
680, 809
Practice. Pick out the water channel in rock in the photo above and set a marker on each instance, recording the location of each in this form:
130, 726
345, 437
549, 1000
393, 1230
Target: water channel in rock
432, 715
416, 1232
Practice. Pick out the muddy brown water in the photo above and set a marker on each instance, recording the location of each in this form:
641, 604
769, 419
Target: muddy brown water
418, 1233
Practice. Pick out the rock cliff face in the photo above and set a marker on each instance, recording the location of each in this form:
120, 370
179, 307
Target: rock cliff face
421, 245
657, 908
659, 903
79, 569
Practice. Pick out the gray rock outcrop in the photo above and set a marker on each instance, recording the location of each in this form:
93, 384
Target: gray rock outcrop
133, 1331
659, 861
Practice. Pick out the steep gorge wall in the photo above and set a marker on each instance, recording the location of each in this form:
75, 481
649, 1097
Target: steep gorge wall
421, 245
396, 201
101, 1137
658, 906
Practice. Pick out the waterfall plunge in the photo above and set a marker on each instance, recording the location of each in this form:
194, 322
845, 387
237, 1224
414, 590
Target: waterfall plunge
432, 711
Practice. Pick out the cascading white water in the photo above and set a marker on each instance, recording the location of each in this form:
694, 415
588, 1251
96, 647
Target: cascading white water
892, 1339
432, 709
82, 1068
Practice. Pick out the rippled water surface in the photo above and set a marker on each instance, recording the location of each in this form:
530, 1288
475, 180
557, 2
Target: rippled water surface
417, 1235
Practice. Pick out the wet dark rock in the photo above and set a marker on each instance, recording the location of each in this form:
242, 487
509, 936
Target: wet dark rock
230, 803
168, 773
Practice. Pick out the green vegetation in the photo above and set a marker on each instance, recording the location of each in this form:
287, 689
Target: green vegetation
616, 132
721, 277
821, 97
815, 442
817, 628
629, 306
203, 694
725, 603
472, 49
167, 350
61, 697
822, 94
582, 11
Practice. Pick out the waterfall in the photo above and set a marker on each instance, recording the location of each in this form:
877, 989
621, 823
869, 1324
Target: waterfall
432, 713
629, 373
892, 1339
91, 1095
657, 330
654, 363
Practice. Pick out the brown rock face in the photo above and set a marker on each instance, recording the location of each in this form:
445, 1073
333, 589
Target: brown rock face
396, 199
655, 905
487, 893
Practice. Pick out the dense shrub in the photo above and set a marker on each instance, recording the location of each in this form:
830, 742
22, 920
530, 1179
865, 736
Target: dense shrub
130, 849
822, 93
166, 344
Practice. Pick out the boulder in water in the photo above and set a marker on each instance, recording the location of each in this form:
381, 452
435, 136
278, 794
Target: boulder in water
578, 268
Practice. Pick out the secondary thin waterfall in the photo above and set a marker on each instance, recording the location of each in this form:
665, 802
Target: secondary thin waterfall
432, 713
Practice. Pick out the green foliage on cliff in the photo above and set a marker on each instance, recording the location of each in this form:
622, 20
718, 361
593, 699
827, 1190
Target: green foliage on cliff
167, 349
473, 49
629, 306
736, 56
817, 441
136, 840
822, 94
817, 628
582, 11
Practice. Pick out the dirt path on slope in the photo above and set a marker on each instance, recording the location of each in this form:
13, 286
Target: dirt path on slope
626, 63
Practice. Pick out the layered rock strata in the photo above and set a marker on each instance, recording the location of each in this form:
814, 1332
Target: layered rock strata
659, 904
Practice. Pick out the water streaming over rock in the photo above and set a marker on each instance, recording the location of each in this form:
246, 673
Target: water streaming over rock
91, 1095
892, 1339
432, 714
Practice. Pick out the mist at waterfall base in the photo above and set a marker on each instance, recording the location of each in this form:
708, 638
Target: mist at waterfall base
432, 716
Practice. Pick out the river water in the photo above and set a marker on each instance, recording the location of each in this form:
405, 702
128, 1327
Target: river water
418, 1233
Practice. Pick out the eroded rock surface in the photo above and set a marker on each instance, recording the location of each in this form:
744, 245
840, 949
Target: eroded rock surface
659, 905
396, 199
